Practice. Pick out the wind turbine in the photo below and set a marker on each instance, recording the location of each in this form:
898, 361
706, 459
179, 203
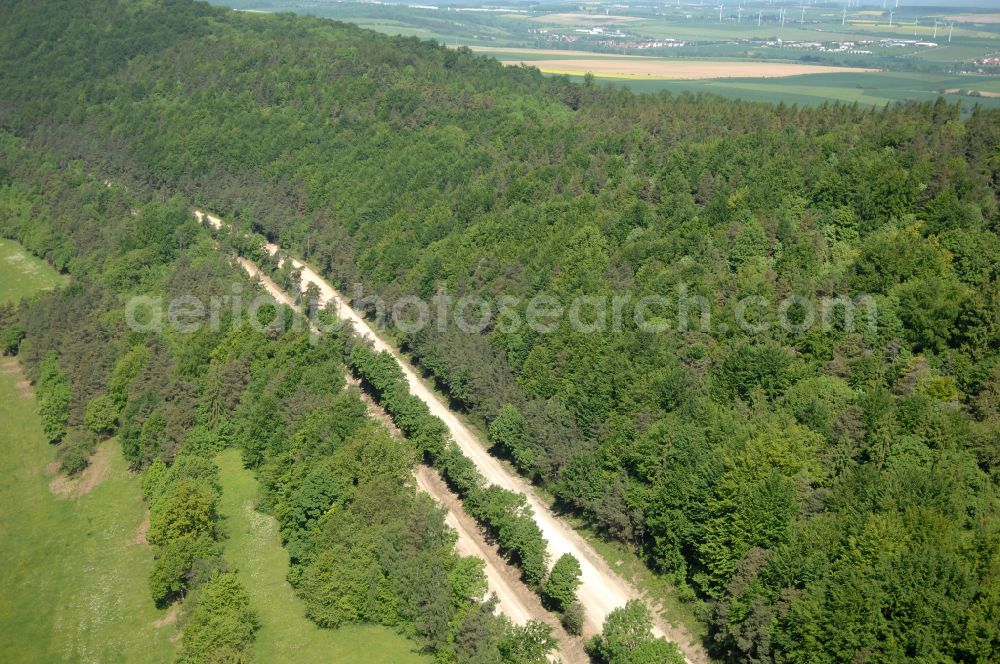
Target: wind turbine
890, 17
720, 13
802, 17
758, 18
843, 19
950, 29
739, 15
935, 28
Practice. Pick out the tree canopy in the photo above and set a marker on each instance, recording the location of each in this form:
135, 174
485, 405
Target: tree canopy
826, 493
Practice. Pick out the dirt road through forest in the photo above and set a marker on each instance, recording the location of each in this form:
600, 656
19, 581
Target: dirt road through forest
601, 590
517, 603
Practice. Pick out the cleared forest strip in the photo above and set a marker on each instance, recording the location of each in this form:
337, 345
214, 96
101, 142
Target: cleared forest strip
518, 604
601, 590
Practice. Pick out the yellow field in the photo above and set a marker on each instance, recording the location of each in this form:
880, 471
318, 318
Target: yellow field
584, 19
656, 68
974, 18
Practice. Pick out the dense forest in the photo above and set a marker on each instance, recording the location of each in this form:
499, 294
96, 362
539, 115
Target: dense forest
823, 494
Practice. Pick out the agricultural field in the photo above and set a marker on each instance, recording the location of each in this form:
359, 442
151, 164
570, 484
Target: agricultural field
871, 88
254, 550
637, 67
977, 18
793, 83
584, 19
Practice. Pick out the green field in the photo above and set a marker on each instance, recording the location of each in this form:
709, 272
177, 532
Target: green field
872, 89
74, 582
21, 274
254, 550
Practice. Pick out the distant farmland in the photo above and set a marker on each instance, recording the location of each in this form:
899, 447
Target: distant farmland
611, 66
867, 89
756, 80
657, 68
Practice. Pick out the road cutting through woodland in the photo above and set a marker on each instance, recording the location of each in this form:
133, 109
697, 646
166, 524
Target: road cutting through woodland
601, 590
513, 599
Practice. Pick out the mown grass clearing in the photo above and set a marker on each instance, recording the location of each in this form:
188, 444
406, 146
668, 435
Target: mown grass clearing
21, 274
287, 635
74, 579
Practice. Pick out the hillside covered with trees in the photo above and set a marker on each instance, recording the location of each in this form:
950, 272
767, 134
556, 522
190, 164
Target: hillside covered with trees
824, 493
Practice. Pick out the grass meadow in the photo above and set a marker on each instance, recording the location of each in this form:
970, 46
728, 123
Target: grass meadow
73, 577
21, 274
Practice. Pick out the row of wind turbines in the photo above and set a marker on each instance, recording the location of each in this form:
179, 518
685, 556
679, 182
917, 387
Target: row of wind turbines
783, 12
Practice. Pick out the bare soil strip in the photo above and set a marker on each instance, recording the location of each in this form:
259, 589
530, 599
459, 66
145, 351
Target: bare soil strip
140, 533
169, 619
9, 366
24, 388
88, 479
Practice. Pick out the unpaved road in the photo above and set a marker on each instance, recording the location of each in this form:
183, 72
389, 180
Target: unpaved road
514, 599
502, 578
601, 590
470, 544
